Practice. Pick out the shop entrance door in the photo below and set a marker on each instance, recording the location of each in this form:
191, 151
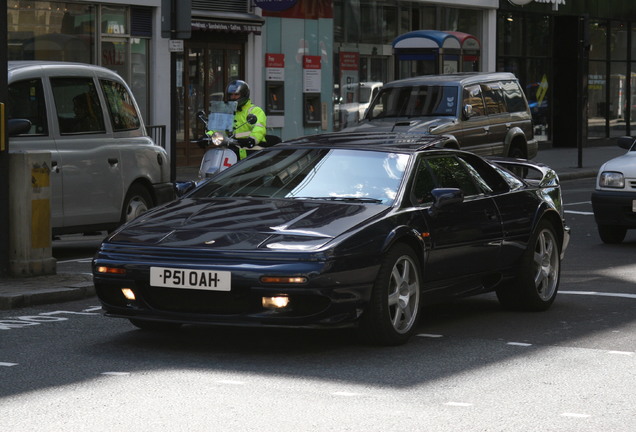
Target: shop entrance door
202, 76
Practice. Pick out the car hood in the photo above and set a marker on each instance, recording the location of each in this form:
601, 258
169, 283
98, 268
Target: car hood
625, 164
404, 124
246, 224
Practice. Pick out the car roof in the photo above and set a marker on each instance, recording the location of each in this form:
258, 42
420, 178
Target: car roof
406, 142
463, 78
33, 65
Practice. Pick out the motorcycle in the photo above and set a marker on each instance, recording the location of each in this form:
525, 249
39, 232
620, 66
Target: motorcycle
223, 149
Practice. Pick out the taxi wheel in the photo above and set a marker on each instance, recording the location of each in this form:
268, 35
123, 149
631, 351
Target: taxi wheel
394, 306
137, 202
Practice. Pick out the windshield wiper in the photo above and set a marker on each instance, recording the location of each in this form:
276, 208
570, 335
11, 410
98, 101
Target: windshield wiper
346, 199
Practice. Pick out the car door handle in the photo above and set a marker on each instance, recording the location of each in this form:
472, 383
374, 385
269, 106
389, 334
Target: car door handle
113, 161
54, 167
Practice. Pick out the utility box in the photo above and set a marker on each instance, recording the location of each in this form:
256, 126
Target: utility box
30, 214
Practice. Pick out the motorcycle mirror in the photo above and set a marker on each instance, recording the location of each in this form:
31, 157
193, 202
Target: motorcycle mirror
251, 119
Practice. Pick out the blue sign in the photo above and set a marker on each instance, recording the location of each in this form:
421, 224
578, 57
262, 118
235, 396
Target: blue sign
275, 5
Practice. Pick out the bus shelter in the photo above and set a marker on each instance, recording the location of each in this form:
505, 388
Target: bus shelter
426, 52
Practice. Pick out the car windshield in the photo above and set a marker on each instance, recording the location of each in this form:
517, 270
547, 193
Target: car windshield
416, 101
310, 173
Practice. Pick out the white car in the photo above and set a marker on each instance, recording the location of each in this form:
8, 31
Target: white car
105, 169
614, 197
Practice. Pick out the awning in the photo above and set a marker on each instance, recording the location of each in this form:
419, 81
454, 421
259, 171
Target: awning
227, 22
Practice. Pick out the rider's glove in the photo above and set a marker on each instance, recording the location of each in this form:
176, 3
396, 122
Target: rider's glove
247, 142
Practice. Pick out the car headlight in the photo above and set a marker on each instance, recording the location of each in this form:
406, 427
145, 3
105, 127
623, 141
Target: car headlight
612, 179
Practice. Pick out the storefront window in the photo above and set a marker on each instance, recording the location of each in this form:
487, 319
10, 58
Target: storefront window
632, 98
598, 40
537, 39
114, 20
618, 41
43, 30
617, 98
510, 40
597, 104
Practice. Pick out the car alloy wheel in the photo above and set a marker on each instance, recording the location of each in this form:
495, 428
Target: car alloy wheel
394, 306
536, 285
137, 202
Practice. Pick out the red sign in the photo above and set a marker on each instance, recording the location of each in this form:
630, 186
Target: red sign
311, 62
274, 60
349, 61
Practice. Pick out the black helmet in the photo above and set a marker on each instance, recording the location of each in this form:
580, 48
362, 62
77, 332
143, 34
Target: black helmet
242, 89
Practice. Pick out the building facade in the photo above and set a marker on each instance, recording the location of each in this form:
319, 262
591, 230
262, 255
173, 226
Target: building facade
577, 59
312, 64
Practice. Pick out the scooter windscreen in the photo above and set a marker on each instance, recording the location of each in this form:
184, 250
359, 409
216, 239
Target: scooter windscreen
221, 115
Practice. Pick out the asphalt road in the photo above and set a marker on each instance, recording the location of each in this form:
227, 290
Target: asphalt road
473, 366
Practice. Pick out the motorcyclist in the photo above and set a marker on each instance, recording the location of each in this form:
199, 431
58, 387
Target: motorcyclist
248, 135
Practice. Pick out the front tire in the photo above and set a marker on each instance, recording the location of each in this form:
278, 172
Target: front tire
611, 234
394, 307
537, 283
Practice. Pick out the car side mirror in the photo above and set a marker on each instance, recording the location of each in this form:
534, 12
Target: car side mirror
18, 126
467, 111
626, 142
183, 187
445, 197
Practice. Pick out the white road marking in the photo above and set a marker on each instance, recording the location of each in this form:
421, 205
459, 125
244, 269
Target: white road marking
579, 212
8, 364
430, 335
602, 294
116, 373
625, 353
458, 404
93, 309
346, 394
577, 203
521, 344
77, 260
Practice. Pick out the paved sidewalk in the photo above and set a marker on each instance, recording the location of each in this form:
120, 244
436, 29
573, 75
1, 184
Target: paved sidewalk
61, 287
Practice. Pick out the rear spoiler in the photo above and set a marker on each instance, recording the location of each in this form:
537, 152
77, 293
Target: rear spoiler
529, 171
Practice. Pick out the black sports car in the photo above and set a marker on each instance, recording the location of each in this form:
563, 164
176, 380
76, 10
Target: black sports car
339, 230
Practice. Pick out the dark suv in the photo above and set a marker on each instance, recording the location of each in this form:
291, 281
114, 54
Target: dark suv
486, 113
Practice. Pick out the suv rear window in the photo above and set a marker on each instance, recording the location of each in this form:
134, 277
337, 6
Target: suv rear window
418, 101
514, 97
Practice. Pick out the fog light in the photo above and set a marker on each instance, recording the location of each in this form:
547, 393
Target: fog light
128, 293
278, 302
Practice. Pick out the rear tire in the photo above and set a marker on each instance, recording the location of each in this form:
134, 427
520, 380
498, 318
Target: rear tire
536, 285
137, 202
394, 306
611, 234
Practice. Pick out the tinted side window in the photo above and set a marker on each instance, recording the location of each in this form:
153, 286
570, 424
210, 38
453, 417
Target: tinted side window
26, 101
449, 172
514, 97
472, 96
422, 185
77, 104
121, 107
493, 97
486, 176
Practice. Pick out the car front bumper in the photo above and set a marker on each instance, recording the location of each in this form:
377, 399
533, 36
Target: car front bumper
614, 208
